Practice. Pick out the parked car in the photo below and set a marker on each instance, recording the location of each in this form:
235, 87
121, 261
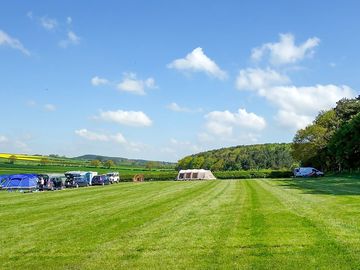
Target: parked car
58, 181
76, 179
100, 180
114, 177
307, 172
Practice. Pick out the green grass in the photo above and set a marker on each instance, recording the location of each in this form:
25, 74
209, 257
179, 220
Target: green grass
223, 224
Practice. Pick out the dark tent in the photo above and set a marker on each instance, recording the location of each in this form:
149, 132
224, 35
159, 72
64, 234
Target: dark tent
21, 181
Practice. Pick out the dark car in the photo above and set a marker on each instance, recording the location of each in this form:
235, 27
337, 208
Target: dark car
100, 180
73, 180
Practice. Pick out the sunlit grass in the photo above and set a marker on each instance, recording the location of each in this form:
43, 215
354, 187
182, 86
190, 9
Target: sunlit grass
222, 224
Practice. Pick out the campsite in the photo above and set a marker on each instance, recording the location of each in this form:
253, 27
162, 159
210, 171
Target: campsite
228, 224
180, 135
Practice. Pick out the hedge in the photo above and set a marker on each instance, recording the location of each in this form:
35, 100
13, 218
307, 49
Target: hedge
252, 174
168, 176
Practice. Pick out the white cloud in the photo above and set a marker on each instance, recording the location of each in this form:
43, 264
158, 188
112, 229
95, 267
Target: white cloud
254, 79
129, 118
50, 107
119, 138
197, 61
7, 40
131, 84
94, 136
222, 123
48, 23
72, 39
96, 81
298, 106
173, 106
285, 51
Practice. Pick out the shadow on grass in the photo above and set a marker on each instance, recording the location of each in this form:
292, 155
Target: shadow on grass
342, 185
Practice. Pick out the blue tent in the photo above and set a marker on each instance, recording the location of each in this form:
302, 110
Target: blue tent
3, 180
21, 181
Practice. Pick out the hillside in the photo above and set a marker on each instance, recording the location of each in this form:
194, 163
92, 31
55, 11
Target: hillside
242, 157
125, 161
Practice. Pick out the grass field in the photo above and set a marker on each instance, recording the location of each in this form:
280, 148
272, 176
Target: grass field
223, 224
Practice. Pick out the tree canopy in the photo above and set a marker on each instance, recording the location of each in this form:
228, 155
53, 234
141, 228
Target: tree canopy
244, 157
332, 141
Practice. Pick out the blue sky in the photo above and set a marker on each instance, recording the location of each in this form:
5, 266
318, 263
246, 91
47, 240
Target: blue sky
163, 79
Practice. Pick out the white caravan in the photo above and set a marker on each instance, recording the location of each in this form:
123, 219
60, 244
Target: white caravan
307, 172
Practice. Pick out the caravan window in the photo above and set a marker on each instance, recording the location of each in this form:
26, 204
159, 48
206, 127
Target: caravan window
181, 176
188, 175
195, 175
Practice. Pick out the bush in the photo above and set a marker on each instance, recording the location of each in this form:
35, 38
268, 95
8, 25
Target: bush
252, 174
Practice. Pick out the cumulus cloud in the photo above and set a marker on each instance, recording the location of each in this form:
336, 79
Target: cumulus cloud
131, 84
222, 123
129, 118
197, 61
50, 107
94, 136
285, 51
7, 40
72, 39
96, 81
254, 79
299, 105
173, 106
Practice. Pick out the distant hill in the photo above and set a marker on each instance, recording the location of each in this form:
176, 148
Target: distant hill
124, 161
242, 157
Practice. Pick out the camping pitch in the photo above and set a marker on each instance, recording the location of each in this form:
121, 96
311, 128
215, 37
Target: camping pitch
195, 174
20, 182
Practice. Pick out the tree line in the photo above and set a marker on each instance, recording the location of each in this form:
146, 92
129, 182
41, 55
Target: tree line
244, 157
332, 141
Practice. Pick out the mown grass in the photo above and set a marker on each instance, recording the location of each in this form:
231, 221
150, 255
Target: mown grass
223, 224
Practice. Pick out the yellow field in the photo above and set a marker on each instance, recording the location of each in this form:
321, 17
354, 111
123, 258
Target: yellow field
21, 157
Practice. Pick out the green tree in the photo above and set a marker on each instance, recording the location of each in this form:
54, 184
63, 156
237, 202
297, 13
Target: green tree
152, 164
347, 108
184, 163
95, 163
197, 162
12, 159
218, 166
44, 161
109, 164
345, 144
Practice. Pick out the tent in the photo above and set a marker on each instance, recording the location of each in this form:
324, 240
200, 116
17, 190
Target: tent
195, 174
3, 180
21, 181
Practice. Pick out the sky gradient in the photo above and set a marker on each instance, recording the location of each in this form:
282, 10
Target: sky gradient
162, 79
